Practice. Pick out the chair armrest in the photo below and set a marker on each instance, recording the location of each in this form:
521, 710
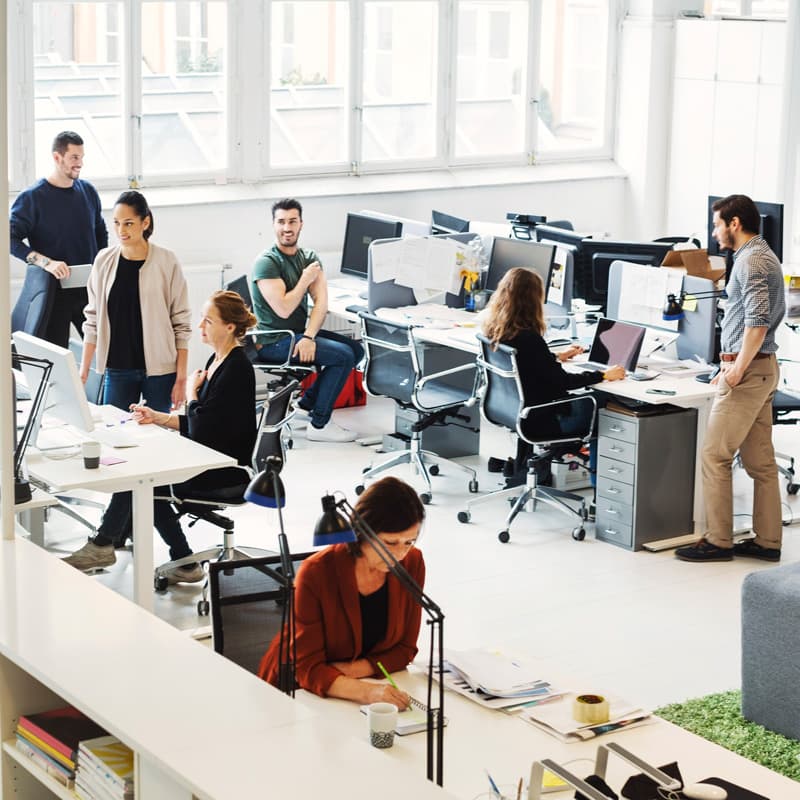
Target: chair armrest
283, 332
454, 370
571, 400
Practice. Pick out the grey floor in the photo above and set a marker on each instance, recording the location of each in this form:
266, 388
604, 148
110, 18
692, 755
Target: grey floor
642, 625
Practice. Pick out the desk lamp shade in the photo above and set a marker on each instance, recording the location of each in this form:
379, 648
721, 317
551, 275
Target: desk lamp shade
673, 309
266, 489
332, 527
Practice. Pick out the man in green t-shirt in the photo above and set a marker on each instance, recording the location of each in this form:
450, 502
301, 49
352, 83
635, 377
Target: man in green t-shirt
283, 279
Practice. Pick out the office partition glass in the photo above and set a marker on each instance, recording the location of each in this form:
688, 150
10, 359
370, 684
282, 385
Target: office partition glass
398, 119
491, 77
309, 66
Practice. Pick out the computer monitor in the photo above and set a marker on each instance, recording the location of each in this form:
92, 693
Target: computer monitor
509, 253
360, 231
771, 228
559, 296
66, 395
442, 223
596, 256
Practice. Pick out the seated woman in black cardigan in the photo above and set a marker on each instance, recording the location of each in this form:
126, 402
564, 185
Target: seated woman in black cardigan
220, 413
516, 318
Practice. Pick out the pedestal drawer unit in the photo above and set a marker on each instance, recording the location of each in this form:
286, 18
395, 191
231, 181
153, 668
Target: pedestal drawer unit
645, 476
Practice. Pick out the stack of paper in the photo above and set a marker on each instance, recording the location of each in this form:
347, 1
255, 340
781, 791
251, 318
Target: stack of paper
557, 720
105, 770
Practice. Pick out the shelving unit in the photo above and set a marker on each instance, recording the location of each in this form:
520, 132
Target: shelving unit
47, 781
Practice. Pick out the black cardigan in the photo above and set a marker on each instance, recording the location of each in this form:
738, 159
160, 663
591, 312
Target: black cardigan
223, 416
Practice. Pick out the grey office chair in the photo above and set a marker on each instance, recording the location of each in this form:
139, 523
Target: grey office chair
393, 370
206, 505
247, 606
502, 403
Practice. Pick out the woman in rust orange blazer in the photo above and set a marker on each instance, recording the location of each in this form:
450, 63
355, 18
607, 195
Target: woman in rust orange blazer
351, 612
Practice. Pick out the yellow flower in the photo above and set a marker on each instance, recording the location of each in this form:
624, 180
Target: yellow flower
470, 279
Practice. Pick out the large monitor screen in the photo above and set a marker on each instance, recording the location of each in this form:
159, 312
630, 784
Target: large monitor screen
510, 253
360, 231
66, 395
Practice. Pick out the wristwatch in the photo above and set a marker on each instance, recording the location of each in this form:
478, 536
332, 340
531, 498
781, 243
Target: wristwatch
31, 258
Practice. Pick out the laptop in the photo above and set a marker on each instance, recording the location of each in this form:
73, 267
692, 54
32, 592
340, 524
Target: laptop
615, 343
78, 277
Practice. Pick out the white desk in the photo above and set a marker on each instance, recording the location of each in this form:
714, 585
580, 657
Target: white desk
31, 514
161, 457
476, 739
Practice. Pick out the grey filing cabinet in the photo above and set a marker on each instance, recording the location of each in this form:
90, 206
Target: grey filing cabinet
645, 476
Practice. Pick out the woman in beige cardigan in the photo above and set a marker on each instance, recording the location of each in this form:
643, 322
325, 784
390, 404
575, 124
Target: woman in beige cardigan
138, 321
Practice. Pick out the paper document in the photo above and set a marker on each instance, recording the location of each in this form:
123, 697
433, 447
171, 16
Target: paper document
495, 674
644, 292
427, 264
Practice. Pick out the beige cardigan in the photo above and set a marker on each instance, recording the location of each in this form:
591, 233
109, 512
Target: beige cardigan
164, 297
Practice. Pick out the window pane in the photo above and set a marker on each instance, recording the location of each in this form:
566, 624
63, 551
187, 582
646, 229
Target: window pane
771, 9
572, 97
309, 52
491, 77
76, 82
184, 116
399, 90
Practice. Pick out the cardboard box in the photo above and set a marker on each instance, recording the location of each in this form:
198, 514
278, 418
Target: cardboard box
792, 282
695, 262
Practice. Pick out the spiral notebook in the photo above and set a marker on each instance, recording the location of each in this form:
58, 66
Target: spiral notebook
413, 720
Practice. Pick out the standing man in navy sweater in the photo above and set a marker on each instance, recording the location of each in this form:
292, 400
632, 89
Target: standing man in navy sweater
60, 218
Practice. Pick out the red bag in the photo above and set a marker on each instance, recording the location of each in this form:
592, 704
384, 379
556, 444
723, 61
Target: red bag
353, 392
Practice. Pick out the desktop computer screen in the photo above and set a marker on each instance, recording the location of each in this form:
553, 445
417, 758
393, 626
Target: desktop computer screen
510, 253
360, 231
447, 223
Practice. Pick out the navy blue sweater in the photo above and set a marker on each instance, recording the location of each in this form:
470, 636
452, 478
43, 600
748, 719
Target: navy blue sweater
62, 224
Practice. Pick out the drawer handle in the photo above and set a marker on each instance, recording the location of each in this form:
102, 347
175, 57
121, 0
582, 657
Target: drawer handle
614, 470
611, 511
612, 490
616, 449
611, 532
615, 428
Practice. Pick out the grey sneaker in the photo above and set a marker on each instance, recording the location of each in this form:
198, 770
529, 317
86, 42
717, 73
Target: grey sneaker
190, 573
92, 557
330, 433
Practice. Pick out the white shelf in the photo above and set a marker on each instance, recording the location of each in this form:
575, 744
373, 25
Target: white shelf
28, 764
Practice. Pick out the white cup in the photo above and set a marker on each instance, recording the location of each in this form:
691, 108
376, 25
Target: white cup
91, 455
381, 720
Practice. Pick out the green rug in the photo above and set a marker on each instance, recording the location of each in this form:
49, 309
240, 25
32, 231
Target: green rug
718, 718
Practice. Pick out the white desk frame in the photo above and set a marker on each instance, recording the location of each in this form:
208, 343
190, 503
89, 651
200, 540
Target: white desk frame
161, 457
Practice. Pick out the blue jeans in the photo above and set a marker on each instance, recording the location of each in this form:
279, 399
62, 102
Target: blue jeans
578, 423
335, 357
124, 387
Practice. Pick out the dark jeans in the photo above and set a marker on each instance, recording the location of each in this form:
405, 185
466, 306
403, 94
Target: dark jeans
124, 387
335, 358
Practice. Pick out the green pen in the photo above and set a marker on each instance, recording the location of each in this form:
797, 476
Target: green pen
387, 675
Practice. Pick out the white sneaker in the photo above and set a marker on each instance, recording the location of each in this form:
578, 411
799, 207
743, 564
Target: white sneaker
330, 433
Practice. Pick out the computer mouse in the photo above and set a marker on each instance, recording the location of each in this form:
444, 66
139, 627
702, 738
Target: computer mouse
704, 791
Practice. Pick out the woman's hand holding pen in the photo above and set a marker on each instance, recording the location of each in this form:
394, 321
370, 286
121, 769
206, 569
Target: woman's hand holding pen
142, 414
386, 693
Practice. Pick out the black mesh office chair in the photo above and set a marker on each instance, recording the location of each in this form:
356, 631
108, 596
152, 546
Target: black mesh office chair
393, 370
247, 607
502, 403
206, 505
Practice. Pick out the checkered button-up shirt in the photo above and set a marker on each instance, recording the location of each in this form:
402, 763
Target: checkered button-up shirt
755, 296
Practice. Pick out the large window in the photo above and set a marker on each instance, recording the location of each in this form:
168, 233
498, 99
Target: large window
165, 91
761, 9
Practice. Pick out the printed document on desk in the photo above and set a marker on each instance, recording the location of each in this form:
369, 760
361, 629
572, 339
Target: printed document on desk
421, 263
496, 674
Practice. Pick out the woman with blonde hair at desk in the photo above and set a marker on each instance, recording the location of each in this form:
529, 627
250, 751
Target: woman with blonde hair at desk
516, 318
220, 413
351, 613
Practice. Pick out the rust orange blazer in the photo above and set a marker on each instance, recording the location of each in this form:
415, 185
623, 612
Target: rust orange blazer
328, 620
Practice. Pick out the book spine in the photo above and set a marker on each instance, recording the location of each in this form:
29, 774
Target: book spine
87, 761
95, 783
52, 768
46, 748
26, 724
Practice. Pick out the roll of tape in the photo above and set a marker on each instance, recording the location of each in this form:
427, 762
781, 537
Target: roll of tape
590, 708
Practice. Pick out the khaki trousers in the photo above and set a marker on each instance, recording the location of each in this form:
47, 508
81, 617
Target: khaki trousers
741, 419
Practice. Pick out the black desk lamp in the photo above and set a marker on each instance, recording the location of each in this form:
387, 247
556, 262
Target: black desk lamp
338, 523
22, 489
673, 308
266, 489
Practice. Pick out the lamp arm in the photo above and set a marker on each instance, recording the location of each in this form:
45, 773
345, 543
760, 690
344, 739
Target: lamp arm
36, 406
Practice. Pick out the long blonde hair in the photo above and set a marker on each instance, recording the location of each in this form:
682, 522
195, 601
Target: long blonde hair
517, 305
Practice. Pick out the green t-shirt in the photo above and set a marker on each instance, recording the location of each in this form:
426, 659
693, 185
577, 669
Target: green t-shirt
272, 264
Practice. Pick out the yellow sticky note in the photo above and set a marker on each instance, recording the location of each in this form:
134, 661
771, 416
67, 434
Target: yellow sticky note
690, 303
550, 781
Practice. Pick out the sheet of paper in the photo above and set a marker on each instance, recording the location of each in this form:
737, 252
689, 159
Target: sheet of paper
643, 293
384, 260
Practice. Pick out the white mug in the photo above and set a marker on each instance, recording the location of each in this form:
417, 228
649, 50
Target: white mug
91, 454
381, 720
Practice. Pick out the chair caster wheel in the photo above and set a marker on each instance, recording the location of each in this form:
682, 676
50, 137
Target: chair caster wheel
504, 536
425, 497
433, 469
464, 516
579, 534
289, 444
792, 488
203, 608
360, 488
473, 486
160, 583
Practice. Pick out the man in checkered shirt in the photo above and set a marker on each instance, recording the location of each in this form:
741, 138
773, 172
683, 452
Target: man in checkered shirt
741, 416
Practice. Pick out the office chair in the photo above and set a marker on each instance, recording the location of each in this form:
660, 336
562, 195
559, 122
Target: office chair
678, 239
206, 505
35, 302
393, 369
502, 403
247, 607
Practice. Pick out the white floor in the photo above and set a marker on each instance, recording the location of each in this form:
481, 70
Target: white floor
642, 625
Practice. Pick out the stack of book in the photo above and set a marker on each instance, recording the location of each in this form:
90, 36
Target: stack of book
105, 770
51, 739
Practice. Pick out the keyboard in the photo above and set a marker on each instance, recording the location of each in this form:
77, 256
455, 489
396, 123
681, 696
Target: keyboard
114, 437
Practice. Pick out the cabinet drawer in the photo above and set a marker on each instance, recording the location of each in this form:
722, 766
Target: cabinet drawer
614, 490
614, 510
609, 530
617, 449
615, 470
618, 428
